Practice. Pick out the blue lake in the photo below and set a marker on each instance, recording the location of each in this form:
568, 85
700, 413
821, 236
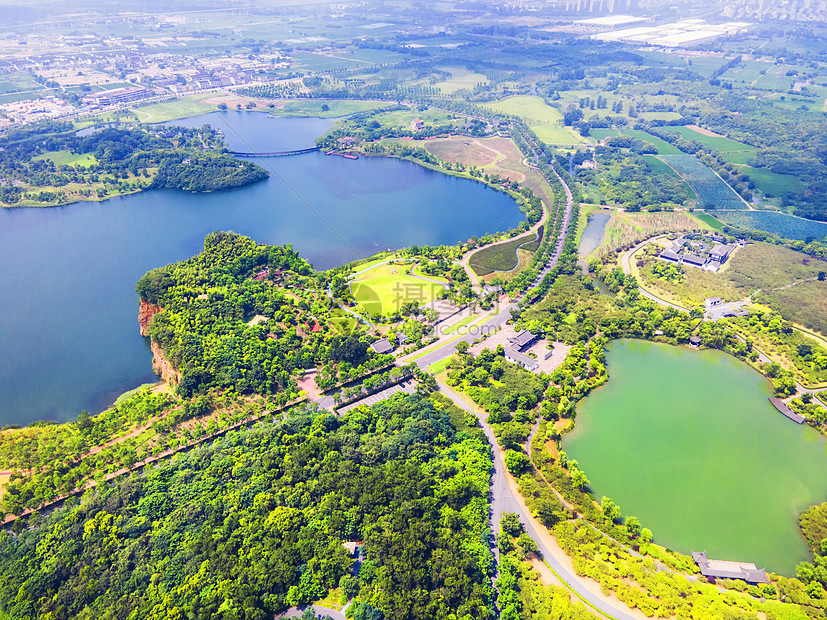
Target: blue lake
593, 233
69, 333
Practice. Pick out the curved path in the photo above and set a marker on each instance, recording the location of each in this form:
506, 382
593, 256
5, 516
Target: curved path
475, 285
624, 263
504, 498
762, 357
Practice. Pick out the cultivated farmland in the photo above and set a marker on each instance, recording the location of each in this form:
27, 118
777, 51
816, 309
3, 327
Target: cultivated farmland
710, 189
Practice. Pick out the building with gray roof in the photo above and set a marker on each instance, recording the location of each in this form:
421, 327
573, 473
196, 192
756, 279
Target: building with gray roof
381, 346
729, 570
515, 357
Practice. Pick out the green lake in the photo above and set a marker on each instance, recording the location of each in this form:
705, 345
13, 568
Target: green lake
688, 442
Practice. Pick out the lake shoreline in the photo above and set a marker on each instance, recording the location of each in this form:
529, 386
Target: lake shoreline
670, 436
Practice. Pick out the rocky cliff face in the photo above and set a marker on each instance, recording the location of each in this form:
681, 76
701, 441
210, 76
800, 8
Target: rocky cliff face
163, 367
145, 314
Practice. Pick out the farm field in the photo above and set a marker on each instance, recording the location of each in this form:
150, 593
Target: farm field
545, 121
67, 158
664, 148
602, 134
660, 166
710, 221
739, 158
721, 144
708, 186
776, 223
773, 184
659, 116
385, 288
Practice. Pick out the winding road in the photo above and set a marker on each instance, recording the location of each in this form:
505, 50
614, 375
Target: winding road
506, 498
624, 263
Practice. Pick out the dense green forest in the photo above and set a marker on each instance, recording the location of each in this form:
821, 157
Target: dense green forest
206, 329
255, 522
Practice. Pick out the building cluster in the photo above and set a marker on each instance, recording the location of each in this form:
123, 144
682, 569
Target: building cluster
701, 251
685, 32
515, 353
89, 72
788, 10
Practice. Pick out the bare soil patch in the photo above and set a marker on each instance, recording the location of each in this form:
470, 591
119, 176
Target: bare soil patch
706, 132
308, 384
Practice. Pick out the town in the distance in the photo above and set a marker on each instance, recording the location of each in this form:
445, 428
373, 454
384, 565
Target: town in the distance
401, 310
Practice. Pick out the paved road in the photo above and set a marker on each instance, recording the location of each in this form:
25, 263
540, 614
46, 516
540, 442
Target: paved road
503, 499
504, 315
321, 612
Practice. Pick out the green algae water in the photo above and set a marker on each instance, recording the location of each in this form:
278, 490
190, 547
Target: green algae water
688, 442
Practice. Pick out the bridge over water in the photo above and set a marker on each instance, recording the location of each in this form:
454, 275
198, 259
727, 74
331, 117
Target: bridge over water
275, 153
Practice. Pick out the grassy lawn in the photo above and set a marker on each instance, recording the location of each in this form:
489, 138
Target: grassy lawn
417, 271
383, 289
67, 158
440, 366
174, 110
335, 108
461, 78
3, 481
342, 321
